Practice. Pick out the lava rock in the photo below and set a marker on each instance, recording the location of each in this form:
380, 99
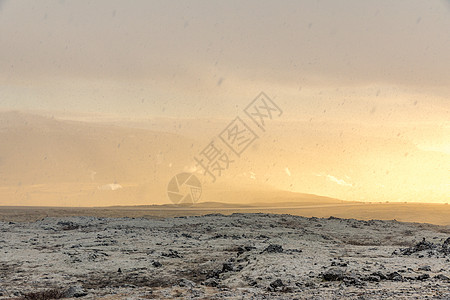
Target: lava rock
395, 276
273, 249
171, 254
352, 280
423, 245
442, 277
447, 242
156, 264
339, 264
276, 285
212, 282
423, 277
241, 249
373, 278
333, 274
227, 267
379, 274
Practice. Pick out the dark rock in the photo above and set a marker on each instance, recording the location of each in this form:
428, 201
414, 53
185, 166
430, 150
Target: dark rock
227, 267
218, 236
431, 248
442, 277
333, 274
373, 278
253, 283
325, 237
294, 250
339, 264
171, 254
211, 282
156, 264
241, 249
379, 274
276, 285
447, 242
239, 268
395, 276
352, 280
273, 249
423, 277
119, 270
446, 247
213, 274
423, 245
249, 248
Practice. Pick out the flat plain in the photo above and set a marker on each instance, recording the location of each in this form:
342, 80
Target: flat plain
175, 253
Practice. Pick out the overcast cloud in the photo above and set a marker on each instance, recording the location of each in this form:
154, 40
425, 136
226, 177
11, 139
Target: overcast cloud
112, 56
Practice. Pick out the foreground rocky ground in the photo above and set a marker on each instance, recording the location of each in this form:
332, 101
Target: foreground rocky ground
241, 256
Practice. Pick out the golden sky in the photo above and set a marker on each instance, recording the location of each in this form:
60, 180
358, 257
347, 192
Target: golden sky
367, 69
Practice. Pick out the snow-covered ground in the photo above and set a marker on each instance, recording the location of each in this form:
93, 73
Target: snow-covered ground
240, 256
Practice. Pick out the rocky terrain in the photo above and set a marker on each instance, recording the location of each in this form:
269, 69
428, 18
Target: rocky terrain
239, 256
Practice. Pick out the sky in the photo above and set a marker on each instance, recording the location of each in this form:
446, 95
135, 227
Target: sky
384, 64
207, 58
